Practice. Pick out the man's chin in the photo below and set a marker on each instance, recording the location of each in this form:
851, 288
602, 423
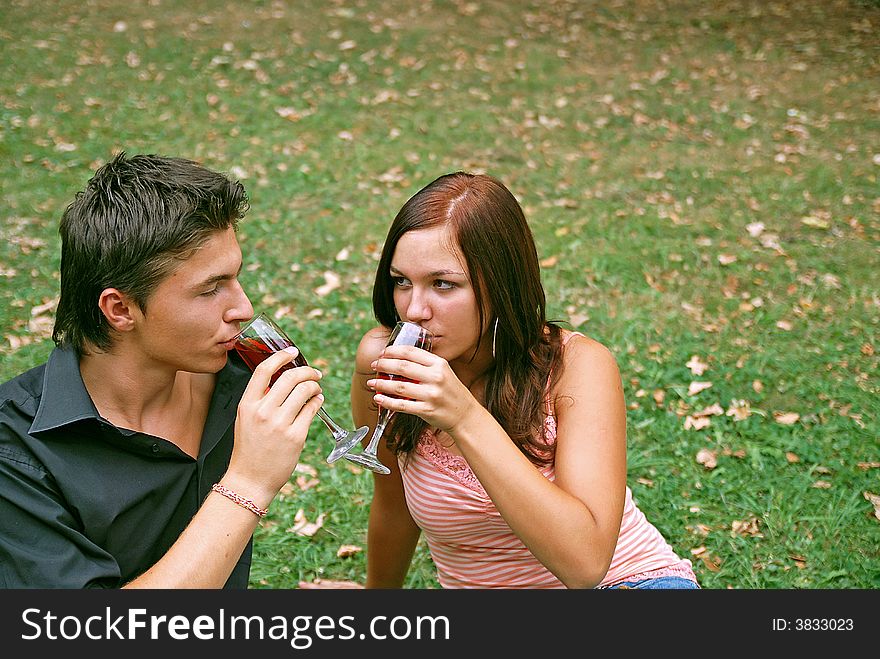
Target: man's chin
208, 367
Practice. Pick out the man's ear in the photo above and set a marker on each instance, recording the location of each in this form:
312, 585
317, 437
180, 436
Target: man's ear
118, 309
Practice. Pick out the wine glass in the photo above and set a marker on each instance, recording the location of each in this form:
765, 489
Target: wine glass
404, 334
262, 337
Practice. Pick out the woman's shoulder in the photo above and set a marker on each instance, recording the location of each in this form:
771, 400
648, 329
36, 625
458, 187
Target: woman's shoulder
370, 347
589, 373
582, 351
577, 338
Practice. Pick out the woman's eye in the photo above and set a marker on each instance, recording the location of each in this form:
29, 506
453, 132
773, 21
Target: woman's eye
400, 281
444, 285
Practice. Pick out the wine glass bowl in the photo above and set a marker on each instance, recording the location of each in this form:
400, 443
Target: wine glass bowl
404, 333
259, 339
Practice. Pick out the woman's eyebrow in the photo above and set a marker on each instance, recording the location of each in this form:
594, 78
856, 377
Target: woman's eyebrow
435, 273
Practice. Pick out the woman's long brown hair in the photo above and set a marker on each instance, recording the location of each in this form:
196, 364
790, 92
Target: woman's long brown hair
492, 233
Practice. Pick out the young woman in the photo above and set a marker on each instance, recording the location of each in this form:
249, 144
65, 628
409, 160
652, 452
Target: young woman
509, 448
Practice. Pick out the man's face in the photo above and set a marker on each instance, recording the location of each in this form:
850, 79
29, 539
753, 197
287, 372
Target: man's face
194, 313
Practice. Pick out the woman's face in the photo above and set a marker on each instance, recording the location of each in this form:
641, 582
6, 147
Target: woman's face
432, 287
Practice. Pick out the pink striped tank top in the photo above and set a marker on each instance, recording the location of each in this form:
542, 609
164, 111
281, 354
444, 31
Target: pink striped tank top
473, 547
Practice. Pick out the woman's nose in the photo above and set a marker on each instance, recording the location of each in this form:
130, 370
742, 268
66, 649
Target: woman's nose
418, 308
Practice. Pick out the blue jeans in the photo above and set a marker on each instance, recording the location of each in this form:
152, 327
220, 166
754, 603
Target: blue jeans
659, 583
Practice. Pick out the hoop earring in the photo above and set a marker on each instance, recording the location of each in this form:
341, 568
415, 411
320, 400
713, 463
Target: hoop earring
494, 337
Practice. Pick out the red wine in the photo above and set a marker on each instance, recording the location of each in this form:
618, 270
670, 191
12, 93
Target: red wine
254, 351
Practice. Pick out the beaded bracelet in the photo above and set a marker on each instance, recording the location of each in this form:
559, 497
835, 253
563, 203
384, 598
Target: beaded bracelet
240, 500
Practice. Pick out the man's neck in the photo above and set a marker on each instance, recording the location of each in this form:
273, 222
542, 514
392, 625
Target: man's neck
138, 394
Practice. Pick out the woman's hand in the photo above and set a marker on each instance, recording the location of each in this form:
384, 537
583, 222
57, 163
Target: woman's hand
435, 394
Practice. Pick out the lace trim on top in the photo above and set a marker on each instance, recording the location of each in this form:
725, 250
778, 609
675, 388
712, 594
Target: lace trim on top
452, 464
457, 467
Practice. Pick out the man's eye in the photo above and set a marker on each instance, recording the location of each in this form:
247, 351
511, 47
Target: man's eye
213, 291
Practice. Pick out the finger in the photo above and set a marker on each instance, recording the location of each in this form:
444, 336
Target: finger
262, 374
288, 381
394, 387
306, 415
395, 404
298, 398
402, 368
409, 353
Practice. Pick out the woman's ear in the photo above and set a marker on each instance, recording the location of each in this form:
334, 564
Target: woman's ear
118, 309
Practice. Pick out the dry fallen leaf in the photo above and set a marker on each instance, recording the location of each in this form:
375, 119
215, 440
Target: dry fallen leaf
348, 550
43, 308
875, 501
697, 386
696, 423
707, 458
41, 326
578, 319
815, 222
739, 410
712, 562
331, 283
306, 482
786, 418
822, 485
697, 367
746, 527
329, 584
699, 529
712, 410
302, 526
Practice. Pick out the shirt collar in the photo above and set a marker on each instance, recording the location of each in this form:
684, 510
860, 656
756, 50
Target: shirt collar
65, 398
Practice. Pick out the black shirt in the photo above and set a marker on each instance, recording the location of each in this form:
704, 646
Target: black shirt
86, 504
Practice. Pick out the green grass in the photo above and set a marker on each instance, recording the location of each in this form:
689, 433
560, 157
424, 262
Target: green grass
643, 139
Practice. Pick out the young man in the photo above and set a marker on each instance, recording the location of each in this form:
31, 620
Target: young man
142, 453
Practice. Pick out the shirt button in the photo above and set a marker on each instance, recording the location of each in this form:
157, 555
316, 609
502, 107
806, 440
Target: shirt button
154, 448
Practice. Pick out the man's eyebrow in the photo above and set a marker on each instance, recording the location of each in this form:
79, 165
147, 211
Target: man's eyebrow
435, 273
218, 278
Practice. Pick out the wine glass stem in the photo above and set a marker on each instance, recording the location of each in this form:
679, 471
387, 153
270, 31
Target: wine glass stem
332, 426
384, 416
